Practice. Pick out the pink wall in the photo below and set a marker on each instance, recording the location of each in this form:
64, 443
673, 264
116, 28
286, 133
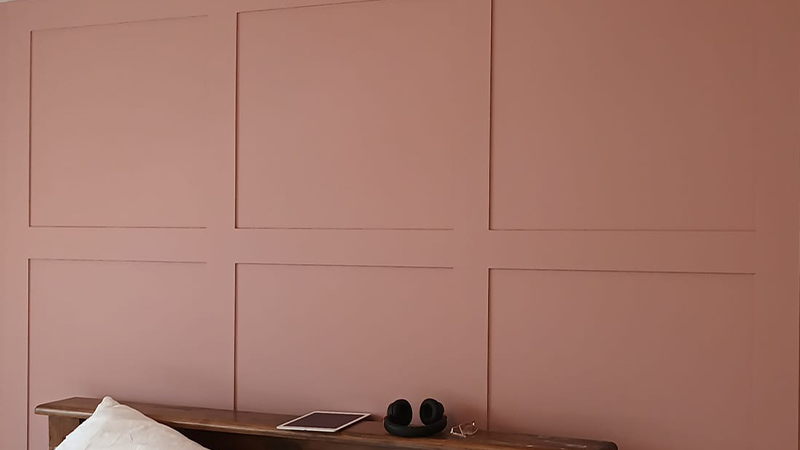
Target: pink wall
562, 217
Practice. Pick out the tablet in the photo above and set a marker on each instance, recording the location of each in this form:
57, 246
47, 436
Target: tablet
324, 421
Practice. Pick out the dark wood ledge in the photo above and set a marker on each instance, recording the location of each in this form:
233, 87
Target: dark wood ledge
225, 429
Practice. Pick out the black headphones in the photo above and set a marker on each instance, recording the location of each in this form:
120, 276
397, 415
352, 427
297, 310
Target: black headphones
398, 419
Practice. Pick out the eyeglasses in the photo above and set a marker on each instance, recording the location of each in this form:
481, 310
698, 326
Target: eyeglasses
464, 429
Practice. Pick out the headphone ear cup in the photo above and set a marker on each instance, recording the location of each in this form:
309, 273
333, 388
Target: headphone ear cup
400, 412
431, 411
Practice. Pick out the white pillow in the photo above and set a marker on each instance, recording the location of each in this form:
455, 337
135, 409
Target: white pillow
119, 427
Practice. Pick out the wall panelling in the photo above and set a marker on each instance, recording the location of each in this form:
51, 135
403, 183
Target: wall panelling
569, 217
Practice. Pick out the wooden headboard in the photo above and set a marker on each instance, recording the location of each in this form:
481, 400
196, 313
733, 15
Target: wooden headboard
219, 429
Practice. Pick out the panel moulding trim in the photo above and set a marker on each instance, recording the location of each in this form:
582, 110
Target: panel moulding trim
315, 5
28, 361
140, 261
30, 124
236, 133
112, 227
628, 271
359, 266
345, 228
92, 25
635, 230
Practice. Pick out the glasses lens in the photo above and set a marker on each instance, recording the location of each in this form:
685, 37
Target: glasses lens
469, 428
464, 429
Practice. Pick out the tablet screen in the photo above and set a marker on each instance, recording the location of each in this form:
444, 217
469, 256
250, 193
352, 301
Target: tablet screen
323, 421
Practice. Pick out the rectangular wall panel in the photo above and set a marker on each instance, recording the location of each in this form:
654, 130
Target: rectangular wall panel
357, 115
136, 331
357, 338
118, 125
651, 361
624, 115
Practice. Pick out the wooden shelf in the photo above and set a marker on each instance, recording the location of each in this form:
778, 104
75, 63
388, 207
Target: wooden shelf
224, 429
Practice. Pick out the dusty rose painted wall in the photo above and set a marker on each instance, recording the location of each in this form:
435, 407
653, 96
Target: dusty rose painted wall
565, 217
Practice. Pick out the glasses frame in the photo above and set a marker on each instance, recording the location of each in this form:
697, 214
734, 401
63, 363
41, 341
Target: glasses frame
465, 429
